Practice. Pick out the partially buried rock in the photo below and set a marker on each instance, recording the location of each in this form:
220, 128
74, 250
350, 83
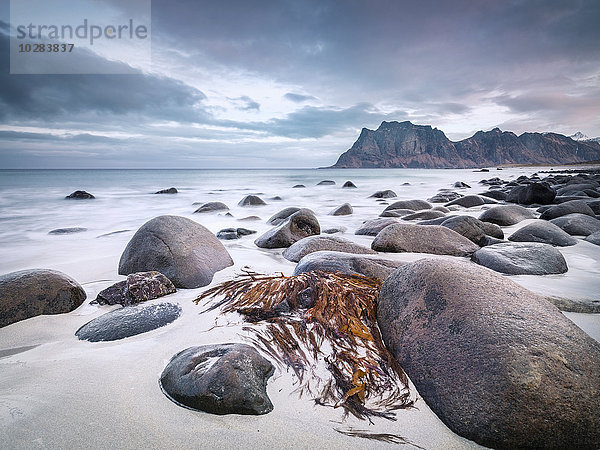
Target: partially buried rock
299, 225
282, 215
349, 184
212, 207
347, 263
544, 232
234, 233
138, 287
170, 190
570, 207
72, 230
470, 227
414, 205
80, 195
128, 321
445, 197
505, 215
433, 239
522, 258
343, 210
577, 224
219, 379
251, 200
30, 293
334, 230
427, 214
461, 185
313, 244
498, 364
326, 183
495, 194
539, 193
184, 251
374, 226
298, 186
468, 201
387, 193
594, 238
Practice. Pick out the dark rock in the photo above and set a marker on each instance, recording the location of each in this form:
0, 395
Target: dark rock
227, 234
414, 205
30, 293
67, 230
505, 215
313, 244
491, 229
171, 190
571, 207
219, 379
468, 201
461, 185
298, 186
306, 299
113, 233
276, 198
445, 197
438, 221
441, 209
374, 226
396, 213
384, 194
594, 238
301, 224
80, 195
184, 251
544, 232
498, 364
469, 227
347, 263
424, 215
521, 258
282, 215
212, 207
138, 287
584, 306
433, 239
538, 193
343, 210
349, 184
496, 195
326, 183
128, 321
251, 200
577, 224
250, 219
334, 230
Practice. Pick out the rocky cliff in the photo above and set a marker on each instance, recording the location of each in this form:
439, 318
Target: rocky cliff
403, 144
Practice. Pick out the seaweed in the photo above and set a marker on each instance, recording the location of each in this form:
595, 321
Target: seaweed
328, 318
388, 438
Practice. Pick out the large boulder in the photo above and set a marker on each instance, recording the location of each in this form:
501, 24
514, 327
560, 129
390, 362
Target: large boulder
468, 201
544, 232
138, 287
426, 214
281, 216
212, 207
313, 244
539, 193
128, 321
445, 196
570, 207
577, 224
433, 239
594, 238
342, 210
414, 205
374, 226
299, 225
183, 250
219, 379
251, 200
347, 263
505, 215
497, 363
30, 293
495, 194
387, 193
470, 227
522, 258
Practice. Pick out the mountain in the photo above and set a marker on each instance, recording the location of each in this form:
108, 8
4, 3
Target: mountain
403, 144
579, 136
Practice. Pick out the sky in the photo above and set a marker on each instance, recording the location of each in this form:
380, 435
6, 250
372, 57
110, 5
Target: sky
290, 83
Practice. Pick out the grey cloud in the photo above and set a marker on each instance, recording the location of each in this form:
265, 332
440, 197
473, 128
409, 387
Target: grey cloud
298, 98
245, 103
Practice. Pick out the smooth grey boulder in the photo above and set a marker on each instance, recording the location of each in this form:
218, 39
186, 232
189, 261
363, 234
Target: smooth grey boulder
427, 214
30, 293
299, 225
468, 201
577, 224
251, 200
343, 210
349, 184
80, 195
495, 194
470, 227
397, 213
498, 364
594, 238
282, 215
570, 207
334, 230
374, 226
491, 229
505, 215
219, 379
326, 183
184, 251
414, 205
538, 193
387, 193
544, 232
461, 185
227, 234
138, 287
72, 230
312, 244
212, 207
347, 263
445, 197
433, 239
521, 258
170, 190
128, 321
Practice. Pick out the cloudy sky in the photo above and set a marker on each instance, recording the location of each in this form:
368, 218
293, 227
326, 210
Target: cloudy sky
247, 83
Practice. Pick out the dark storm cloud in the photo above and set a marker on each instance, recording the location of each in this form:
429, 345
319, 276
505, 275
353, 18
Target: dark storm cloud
298, 98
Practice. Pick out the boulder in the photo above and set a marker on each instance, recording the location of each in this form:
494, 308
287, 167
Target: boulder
413, 205
212, 207
72, 230
468, 201
326, 183
469, 227
594, 238
128, 321
170, 190
349, 184
227, 234
251, 200
570, 207
461, 185
427, 214
505, 215
495, 194
30, 293
298, 186
498, 364
491, 229
138, 287
282, 215
397, 213
184, 251
577, 224
521, 258
595, 205
80, 195
544, 232
433, 239
317, 243
219, 379
440, 208
334, 230
347, 263
299, 225
343, 210
445, 197
387, 193
538, 193
374, 226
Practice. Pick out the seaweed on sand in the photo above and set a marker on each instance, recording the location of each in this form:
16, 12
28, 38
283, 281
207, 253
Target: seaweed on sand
321, 316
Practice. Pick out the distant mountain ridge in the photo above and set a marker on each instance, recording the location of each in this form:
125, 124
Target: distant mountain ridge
403, 144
